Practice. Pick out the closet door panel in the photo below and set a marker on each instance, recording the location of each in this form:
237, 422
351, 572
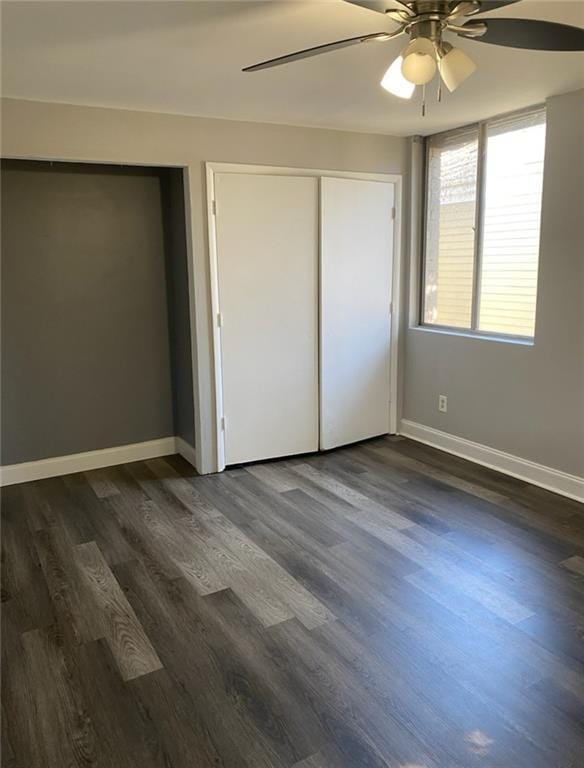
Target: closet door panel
355, 322
267, 252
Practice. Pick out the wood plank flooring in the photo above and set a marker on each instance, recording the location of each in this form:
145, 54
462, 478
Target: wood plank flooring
380, 606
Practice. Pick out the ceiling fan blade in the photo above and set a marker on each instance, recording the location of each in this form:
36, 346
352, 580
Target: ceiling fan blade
460, 9
318, 49
383, 6
533, 34
490, 5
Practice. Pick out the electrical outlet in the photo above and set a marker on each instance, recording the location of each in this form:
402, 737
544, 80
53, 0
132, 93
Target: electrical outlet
442, 403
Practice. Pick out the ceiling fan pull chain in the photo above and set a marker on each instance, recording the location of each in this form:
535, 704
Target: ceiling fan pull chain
424, 100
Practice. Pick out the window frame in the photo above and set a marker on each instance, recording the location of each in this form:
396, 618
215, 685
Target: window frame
473, 331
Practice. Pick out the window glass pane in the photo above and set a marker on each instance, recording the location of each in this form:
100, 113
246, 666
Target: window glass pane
512, 211
450, 228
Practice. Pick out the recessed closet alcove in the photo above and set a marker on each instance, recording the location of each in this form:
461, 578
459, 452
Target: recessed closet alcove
96, 343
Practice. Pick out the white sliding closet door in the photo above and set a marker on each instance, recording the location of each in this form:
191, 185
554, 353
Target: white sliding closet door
356, 284
267, 256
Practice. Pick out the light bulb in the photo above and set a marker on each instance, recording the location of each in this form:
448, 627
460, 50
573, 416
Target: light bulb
455, 66
419, 64
394, 82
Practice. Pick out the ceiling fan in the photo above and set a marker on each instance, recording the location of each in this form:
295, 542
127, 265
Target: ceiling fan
425, 22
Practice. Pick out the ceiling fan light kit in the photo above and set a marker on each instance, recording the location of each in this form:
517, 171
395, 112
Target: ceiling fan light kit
426, 54
426, 21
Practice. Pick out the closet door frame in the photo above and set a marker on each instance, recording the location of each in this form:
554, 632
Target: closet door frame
214, 168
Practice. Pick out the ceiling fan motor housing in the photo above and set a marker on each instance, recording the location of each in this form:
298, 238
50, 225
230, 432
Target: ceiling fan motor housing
430, 29
433, 17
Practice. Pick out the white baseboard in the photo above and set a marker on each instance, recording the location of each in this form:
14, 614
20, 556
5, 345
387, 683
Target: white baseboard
186, 450
82, 462
571, 486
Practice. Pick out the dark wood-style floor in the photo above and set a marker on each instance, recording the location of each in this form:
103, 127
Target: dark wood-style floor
381, 605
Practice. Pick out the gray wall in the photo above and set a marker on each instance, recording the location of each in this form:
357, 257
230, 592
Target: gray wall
86, 358
525, 400
173, 201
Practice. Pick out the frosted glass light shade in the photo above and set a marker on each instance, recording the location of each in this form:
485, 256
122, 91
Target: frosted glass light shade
455, 67
394, 82
418, 68
419, 64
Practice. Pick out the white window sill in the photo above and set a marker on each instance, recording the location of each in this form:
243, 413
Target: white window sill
521, 341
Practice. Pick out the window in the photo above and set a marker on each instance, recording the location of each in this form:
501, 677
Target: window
483, 210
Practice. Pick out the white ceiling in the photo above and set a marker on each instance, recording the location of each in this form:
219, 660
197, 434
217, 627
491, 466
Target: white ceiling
186, 58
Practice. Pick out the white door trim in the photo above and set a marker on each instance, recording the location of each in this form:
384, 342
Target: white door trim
213, 168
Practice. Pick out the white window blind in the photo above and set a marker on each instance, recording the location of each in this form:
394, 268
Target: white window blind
450, 233
483, 209
511, 223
